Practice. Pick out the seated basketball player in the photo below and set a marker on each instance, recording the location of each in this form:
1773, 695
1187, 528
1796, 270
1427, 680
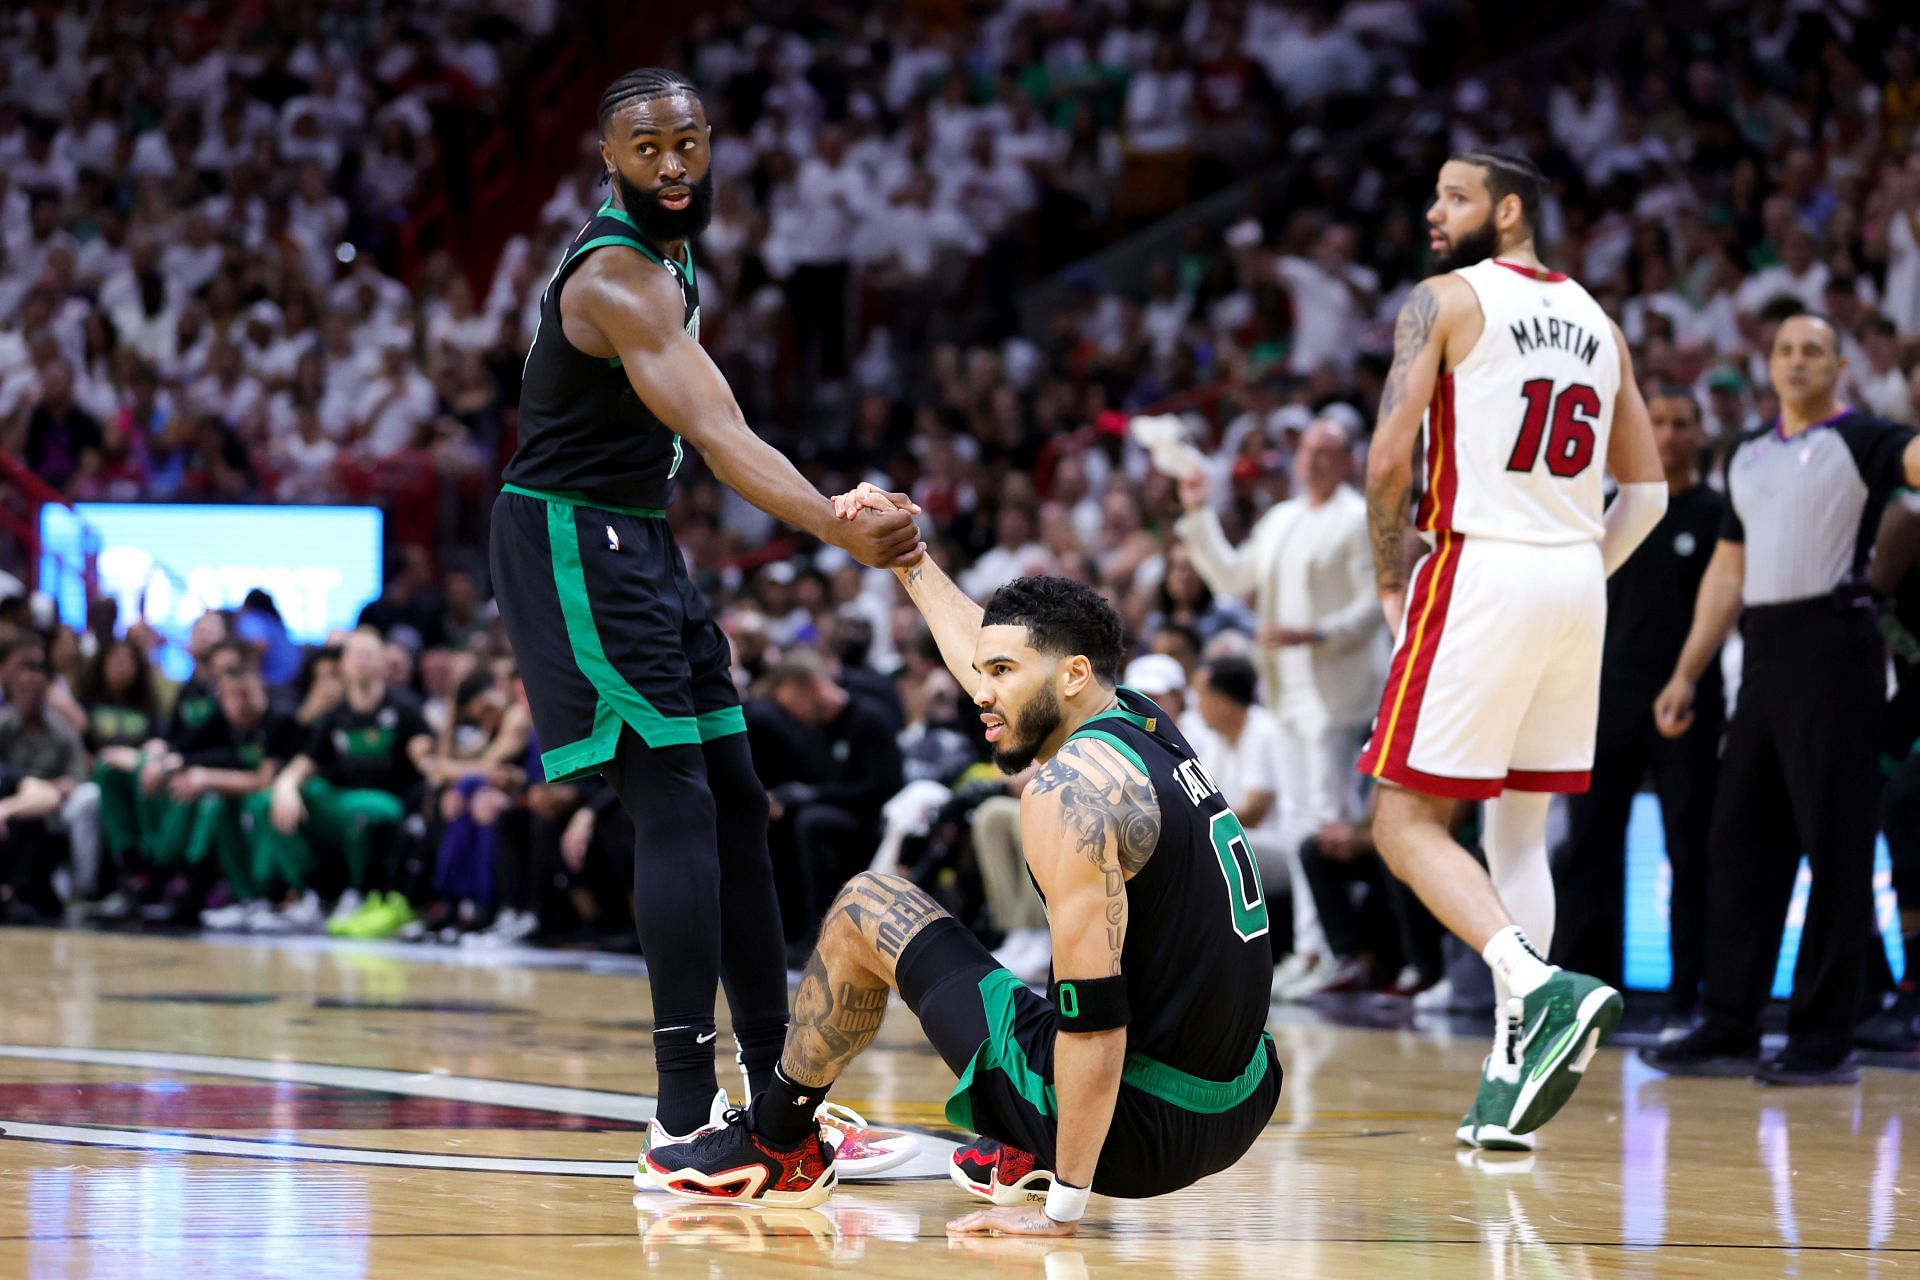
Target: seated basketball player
1147, 1065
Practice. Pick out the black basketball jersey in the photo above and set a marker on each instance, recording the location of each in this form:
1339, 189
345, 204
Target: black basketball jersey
583, 431
1197, 960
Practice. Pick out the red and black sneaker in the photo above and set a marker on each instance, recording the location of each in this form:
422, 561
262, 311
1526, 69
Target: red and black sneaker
735, 1164
1000, 1173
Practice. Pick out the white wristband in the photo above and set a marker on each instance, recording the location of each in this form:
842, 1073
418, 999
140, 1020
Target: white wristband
1065, 1203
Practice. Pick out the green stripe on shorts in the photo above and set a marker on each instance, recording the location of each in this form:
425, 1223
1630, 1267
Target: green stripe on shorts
583, 634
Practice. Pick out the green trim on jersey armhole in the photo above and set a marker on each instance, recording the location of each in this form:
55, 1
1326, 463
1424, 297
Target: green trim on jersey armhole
601, 242
686, 260
1121, 745
583, 634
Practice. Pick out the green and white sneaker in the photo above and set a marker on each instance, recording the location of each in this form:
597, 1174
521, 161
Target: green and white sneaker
1486, 1122
1564, 1021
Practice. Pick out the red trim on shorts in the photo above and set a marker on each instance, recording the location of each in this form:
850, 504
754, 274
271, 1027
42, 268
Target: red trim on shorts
1545, 277
1433, 784
1571, 782
1435, 511
1399, 718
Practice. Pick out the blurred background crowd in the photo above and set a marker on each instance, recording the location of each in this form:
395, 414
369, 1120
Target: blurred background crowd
957, 246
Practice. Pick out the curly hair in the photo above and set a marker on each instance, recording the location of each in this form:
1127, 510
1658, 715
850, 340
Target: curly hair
1062, 617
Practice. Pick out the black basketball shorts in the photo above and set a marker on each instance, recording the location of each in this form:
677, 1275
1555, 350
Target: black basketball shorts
607, 630
1169, 1129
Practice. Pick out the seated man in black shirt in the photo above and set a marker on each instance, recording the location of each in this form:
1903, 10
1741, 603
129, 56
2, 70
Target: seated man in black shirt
348, 789
852, 769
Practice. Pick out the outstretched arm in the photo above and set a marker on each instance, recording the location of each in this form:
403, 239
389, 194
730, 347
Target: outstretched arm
952, 615
1418, 343
621, 304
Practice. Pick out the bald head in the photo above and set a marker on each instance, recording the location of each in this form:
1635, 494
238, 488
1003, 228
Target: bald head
1805, 365
1324, 459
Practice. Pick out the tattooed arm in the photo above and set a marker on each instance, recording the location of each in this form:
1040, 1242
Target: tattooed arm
951, 614
1087, 823
1419, 342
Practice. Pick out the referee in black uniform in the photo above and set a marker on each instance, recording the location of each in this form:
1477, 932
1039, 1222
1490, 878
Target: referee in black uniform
1800, 772
1649, 600
627, 674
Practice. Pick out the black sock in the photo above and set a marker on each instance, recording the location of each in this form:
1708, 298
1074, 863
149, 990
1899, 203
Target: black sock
759, 1047
687, 1084
784, 1113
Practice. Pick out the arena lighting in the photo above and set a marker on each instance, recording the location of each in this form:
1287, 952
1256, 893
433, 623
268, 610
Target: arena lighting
345, 252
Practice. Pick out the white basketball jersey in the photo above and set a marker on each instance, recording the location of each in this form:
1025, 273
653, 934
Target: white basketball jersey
1516, 436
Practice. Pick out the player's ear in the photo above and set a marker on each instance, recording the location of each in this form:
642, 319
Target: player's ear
1076, 673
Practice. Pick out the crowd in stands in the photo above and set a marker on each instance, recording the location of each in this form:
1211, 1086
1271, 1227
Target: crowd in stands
182, 322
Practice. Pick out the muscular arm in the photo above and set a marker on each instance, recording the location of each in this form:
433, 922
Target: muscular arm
951, 614
1088, 821
1419, 340
620, 304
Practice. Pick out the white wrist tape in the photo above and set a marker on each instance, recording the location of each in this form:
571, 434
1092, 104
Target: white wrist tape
1630, 518
1065, 1203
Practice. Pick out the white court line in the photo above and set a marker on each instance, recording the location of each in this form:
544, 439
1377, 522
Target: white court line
930, 1162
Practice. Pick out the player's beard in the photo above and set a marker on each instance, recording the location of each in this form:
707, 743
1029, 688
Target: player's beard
1033, 725
1474, 246
659, 223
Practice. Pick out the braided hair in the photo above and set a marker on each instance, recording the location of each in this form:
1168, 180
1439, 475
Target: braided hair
643, 84
1510, 173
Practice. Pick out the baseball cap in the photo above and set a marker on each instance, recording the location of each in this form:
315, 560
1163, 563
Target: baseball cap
1156, 674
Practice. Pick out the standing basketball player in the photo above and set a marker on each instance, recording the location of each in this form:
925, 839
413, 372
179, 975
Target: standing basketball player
626, 672
1526, 389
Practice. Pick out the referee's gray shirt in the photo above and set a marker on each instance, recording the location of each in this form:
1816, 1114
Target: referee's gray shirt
1808, 507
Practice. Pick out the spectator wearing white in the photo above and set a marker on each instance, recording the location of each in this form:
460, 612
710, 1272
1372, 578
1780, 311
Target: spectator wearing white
1331, 294
392, 407
194, 259
1582, 113
1799, 274
1876, 381
1308, 566
1014, 554
819, 226
1158, 115
227, 391
1902, 231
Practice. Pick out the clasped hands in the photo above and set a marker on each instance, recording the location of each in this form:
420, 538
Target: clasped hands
879, 531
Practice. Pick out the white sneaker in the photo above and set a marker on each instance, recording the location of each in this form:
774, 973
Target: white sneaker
237, 916
1027, 954
657, 1136
350, 902
1290, 974
1437, 998
1289, 971
859, 1149
1330, 975
304, 916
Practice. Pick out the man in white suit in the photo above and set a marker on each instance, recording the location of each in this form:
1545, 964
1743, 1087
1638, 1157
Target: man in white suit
1309, 569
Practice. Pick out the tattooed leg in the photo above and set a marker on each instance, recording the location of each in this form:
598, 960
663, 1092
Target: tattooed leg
843, 990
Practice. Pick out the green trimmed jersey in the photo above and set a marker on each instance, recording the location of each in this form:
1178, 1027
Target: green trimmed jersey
1197, 958
584, 432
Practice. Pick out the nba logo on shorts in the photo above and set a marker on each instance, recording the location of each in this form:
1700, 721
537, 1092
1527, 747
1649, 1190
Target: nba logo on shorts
613, 539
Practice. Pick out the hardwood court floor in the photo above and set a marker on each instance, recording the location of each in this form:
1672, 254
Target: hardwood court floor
223, 1110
